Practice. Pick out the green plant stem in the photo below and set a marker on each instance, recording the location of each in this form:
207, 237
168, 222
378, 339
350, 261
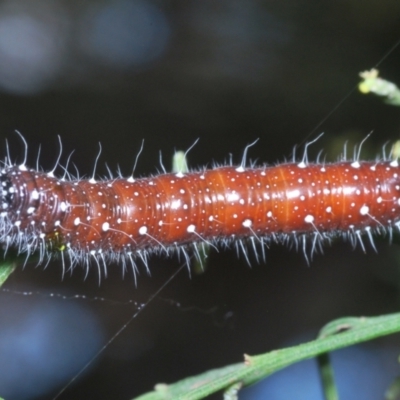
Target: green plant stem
327, 377
6, 269
258, 367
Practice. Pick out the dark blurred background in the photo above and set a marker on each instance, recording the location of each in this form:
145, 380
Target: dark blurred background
170, 72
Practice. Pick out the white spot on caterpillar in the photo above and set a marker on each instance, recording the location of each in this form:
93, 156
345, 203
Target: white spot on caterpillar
232, 197
30, 210
191, 228
355, 164
35, 194
394, 163
364, 210
105, 227
247, 223
328, 209
77, 221
309, 219
142, 230
63, 206
175, 204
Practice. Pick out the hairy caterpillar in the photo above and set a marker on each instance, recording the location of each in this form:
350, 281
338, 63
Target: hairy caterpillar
126, 219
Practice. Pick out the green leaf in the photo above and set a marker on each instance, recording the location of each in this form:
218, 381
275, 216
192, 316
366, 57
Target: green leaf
336, 335
6, 269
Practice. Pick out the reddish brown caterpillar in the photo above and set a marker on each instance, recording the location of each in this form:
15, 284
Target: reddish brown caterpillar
125, 219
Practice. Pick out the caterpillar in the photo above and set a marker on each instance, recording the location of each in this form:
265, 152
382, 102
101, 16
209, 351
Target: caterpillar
125, 219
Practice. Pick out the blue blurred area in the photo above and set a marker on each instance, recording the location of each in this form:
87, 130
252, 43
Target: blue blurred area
246, 38
362, 372
43, 43
32, 46
41, 349
124, 34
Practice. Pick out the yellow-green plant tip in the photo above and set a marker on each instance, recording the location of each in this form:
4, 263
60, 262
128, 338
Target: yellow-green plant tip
369, 74
363, 87
179, 164
369, 80
372, 83
395, 153
6, 269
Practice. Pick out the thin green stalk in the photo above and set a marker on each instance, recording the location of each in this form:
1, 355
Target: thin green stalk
256, 368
